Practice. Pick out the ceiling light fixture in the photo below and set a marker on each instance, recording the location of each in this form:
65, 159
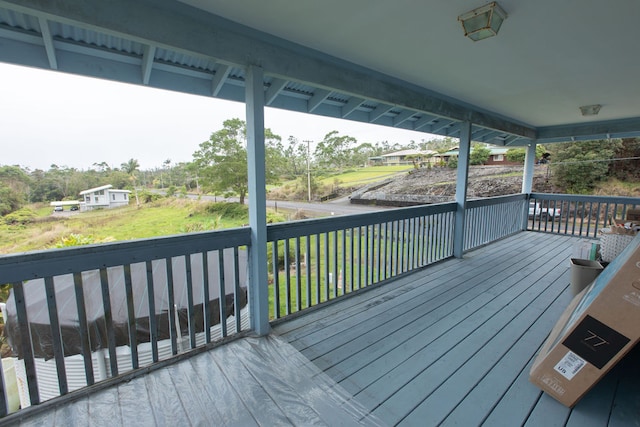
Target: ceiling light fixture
590, 110
482, 22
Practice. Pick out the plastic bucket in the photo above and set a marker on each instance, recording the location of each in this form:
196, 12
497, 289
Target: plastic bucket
583, 272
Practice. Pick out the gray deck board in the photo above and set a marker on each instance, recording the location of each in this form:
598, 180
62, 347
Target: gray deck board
429, 302
449, 345
481, 345
485, 385
453, 344
626, 406
437, 324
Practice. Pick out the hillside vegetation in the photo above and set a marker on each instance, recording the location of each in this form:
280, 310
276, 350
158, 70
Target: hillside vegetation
168, 216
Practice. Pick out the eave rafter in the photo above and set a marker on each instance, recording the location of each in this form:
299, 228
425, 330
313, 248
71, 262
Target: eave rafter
47, 39
351, 106
276, 86
147, 63
219, 78
403, 117
424, 121
319, 96
379, 111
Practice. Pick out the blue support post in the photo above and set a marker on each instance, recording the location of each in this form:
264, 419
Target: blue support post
529, 162
258, 284
461, 188
527, 180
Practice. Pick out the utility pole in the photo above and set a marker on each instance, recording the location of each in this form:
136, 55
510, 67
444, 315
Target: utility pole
308, 168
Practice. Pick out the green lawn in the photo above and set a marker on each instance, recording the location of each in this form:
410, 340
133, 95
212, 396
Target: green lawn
161, 218
366, 175
388, 254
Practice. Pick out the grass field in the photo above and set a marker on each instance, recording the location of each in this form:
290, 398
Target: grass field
366, 175
161, 218
361, 176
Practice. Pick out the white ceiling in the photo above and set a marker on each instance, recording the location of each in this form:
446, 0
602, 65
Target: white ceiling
404, 63
549, 58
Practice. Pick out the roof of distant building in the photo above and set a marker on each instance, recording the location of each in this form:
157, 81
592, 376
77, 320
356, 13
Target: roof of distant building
104, 187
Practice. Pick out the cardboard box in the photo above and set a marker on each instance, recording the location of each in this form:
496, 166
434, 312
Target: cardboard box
599, 327
633, 215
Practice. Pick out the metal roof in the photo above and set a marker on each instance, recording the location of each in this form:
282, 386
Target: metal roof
403, 64
105, 187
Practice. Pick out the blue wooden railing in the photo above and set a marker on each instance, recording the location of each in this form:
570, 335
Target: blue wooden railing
78, 335
80, 315
319, 260
576, 215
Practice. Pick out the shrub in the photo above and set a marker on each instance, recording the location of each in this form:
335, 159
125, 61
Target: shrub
453, 162
273, 216
74, 240
20, 217
231, 211
147, 197
194, 227
280, 259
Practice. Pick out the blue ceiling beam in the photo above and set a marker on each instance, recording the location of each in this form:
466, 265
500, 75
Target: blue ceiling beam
173, 25
591, 130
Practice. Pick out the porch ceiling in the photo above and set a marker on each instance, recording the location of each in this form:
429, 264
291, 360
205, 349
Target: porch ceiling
404, 64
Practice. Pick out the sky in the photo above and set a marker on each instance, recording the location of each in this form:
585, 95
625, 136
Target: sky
48, 117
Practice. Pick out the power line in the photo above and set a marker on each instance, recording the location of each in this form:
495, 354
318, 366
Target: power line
594, 161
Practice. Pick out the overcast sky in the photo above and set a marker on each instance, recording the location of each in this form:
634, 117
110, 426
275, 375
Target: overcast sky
50, 118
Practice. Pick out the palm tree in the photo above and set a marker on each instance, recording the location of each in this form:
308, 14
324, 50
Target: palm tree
130, 167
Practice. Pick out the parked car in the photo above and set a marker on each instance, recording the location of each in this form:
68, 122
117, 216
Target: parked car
538, 211
75, 207
58, 209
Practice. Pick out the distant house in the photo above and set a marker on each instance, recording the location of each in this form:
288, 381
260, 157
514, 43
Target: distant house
105, 197
498, 156
403, 157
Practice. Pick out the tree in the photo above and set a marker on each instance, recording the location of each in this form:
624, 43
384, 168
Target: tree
479, 155
628, 167
363, 152
334, 151
222, 160
441, 145
295, 155
517, 155
578, 166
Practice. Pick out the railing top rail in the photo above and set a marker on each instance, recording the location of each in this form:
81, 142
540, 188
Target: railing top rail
322, 225
587, 198
38, 264
488, 201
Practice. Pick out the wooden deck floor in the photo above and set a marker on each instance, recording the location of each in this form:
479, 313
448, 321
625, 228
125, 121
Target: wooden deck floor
452, 345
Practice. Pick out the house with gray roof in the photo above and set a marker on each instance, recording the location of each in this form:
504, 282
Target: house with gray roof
104, 197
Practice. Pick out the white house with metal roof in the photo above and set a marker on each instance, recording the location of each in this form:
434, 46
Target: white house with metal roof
402, 157
104, 197
497, 156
